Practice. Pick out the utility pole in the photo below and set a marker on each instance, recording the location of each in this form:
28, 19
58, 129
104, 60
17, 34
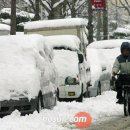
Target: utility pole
105, 22
13, 17
37, 10
90, 22
99, 25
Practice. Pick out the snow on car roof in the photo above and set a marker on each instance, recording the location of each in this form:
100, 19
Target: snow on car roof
70, 22
4, 27
20, 66
68, 41
107, 44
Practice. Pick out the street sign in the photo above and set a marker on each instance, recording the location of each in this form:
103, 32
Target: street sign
98, 4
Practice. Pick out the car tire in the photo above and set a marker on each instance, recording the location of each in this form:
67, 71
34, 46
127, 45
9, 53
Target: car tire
80, 99
87, 94
57, 95
40, 104
99, 89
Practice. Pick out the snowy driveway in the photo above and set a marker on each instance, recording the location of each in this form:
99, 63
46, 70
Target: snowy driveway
59, 118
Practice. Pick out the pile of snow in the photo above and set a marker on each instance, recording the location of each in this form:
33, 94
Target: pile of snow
20, 65
4, 27
18, 13
61, 117
107, 44
67, 41
66, 62
70, 22
25, 14
6, 10
122, 31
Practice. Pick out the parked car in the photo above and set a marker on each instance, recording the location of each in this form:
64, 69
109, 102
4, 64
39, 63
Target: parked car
71, 66
101, 55
4, 29
28, 79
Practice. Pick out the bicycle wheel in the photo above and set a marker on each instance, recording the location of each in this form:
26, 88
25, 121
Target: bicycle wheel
126, 104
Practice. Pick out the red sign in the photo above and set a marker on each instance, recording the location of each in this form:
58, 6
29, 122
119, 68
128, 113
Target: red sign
99, 4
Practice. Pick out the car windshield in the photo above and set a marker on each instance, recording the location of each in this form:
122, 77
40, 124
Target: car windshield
66, 62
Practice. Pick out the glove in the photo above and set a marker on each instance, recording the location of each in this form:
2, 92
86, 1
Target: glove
113, 73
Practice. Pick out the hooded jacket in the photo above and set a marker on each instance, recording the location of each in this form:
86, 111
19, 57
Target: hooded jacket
122, 63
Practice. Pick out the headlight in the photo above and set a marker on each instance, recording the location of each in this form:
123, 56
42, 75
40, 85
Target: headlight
71, 81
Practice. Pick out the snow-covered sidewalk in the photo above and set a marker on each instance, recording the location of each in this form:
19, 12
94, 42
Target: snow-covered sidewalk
60, 117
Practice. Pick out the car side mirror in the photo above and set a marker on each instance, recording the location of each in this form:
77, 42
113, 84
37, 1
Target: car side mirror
81, 58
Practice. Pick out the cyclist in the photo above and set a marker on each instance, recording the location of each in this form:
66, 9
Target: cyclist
122, 66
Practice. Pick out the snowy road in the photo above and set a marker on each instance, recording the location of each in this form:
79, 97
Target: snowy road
119, 123
60, 118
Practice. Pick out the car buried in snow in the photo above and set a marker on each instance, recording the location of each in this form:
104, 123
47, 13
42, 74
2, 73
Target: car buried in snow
71, 66
28, 78
101, 56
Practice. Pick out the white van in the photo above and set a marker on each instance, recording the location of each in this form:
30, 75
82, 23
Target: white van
28, 78
71, 66
69, 26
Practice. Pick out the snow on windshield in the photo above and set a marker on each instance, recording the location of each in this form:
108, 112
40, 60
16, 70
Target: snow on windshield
66, 62
4, 27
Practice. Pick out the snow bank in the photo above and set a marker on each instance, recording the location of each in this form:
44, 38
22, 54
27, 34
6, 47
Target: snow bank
68, 41
20, 66
70, 22
4, 27
107, 44
6, 10
18, 13
6, 21
100, 108
66, 63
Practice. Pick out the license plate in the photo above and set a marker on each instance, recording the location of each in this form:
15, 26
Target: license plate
71, 93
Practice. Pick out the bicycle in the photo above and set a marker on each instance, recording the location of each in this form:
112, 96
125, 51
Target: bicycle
125, 79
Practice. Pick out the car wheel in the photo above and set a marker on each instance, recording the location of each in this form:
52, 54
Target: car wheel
39, 104
99, 89
87, 93
57, 95
80, 99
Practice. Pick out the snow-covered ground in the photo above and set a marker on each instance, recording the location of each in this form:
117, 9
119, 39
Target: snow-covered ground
60, 118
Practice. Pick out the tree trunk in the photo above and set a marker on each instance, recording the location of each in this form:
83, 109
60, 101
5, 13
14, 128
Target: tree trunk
37, 16
105, 25
13, 17
90, 21
99, 25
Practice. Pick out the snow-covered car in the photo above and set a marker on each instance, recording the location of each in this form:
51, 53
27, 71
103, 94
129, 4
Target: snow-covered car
71, 66
27, 75
101, 55
4, 29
